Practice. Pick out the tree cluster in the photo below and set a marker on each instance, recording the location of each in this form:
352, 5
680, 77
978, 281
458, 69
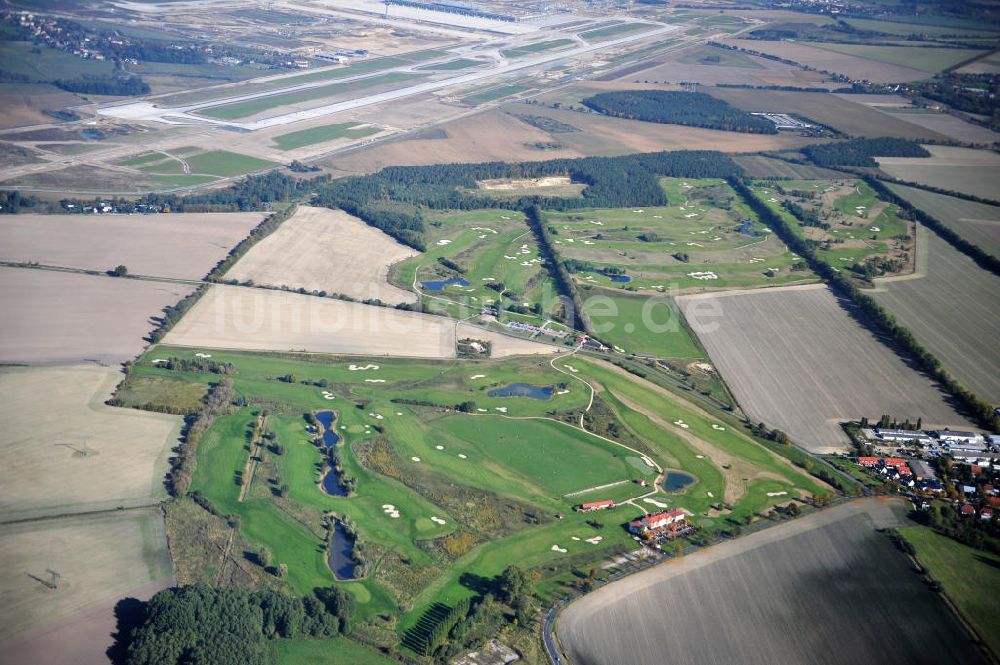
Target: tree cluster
862, 152
201, 625
694, 109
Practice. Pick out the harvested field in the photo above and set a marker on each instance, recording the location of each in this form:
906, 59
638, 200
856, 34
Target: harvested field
929, 59
333, 252
238, 318
55, 419
854, 66
976, 222
498, 136
812, 365
852, 118
952, 311
988, 65
61, 318
81, 638
955, 169
947, 124
98, 558
732, 69
744, 602
758, 166
183, 245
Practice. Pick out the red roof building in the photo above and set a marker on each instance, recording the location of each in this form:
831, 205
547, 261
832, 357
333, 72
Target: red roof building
867, 461
657, 521
904, 470
895, 461
976, 469
986, 514
967, 510
994, 501
597, 505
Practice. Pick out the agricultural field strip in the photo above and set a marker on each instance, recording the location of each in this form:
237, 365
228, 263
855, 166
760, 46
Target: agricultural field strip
855, 578
948, 309
145, 110
814, 371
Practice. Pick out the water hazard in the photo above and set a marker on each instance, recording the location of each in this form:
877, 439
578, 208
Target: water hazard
677, 480
331, 480
522, 390
339, 557
440, 284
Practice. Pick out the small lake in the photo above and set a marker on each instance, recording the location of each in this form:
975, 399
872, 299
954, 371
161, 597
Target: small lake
677, 480
621, 279
339, 558
440, 284
522, 390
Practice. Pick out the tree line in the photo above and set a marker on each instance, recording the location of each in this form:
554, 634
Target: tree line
872, 312
693, 109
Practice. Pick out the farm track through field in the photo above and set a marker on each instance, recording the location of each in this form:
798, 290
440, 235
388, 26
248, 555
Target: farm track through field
249, 471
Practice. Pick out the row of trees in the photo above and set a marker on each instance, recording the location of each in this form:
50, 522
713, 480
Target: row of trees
573, 311
202, 625
694, 109
872, 312
124, 85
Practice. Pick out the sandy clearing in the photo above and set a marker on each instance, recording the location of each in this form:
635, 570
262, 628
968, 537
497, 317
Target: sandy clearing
99, 557
64, 318
797, 361
254, 319
320, 249
182, 245
743, 602
55, 420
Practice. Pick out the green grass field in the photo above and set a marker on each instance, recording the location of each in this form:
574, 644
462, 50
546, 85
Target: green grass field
613, 30
452, 65
323, 134
49, 63
650, 325
491, 94
339, 651
931, 59
224, 163
538, 47
251, 107
970, 578
708, 55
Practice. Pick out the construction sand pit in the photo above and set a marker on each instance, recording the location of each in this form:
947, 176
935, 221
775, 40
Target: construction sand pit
176, 245
744, 601
63, 451
65, 318
796, 360
253, 319
96, 558
332, 252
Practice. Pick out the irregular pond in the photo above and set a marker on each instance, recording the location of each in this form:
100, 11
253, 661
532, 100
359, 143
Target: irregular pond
522, 390
339, 558
330, 438
677, 480
331, 479
440, 284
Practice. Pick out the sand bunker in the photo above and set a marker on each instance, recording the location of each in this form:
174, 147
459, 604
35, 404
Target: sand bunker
390, 510
437, 520
654, 502
556, 548
361, 368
